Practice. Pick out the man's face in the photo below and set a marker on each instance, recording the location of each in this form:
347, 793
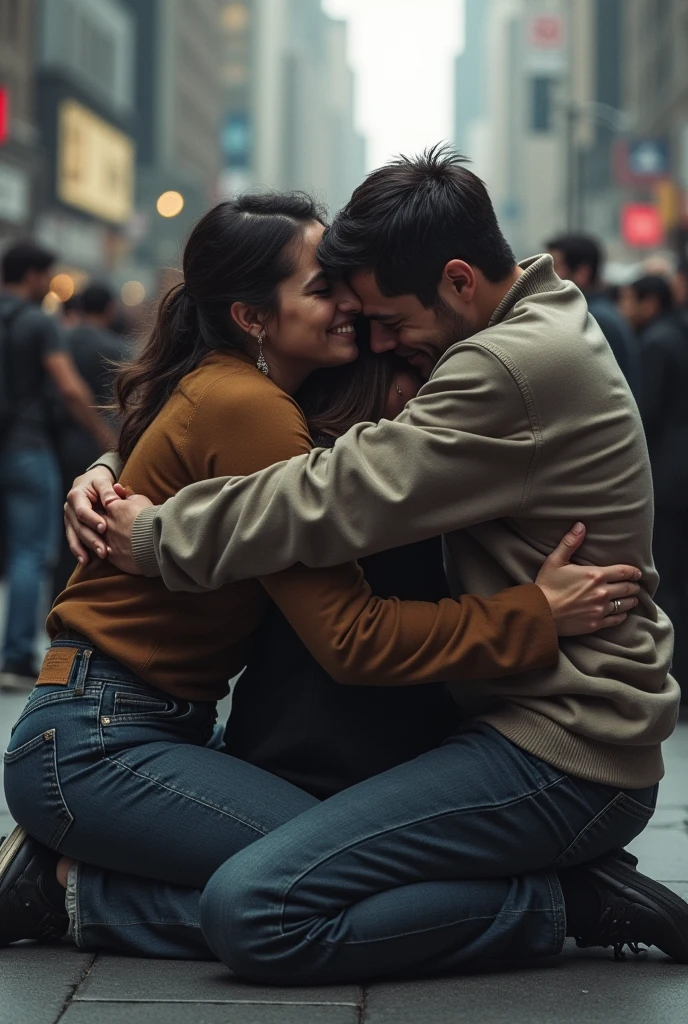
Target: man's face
38, 284
638, 312
582, 276
405, 326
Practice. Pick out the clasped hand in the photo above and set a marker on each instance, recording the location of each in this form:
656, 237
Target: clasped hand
100, 516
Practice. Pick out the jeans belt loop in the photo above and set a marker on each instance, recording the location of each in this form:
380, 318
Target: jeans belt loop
82, 673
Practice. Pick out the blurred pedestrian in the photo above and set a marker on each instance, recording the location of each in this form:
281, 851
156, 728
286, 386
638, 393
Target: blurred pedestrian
96, 351
70, 313
579, 258
648, 305
31, 354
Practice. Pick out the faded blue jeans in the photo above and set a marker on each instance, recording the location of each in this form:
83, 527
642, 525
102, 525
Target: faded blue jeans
448, 859
30, 486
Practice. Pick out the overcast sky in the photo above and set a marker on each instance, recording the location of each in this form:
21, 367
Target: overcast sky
402, 52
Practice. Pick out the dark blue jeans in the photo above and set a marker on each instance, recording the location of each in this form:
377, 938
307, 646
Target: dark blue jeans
449, 859
446, 859
30, 486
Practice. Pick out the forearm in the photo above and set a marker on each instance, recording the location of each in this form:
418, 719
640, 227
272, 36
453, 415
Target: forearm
363, 640
111, 461
81, 405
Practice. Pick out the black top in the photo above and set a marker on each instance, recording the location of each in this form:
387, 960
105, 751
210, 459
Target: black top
620, 338
32, 336
664, 357
290, 718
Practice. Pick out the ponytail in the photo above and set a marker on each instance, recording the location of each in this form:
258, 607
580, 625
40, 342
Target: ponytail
174, 348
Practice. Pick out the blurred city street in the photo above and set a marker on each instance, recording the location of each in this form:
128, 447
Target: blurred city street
322, 199
49, 984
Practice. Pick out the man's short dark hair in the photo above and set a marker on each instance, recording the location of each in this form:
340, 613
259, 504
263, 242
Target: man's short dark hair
95, 299
410, 218
654, 286
22, 257
579, 251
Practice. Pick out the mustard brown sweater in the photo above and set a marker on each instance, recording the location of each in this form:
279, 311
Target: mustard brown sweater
227, 418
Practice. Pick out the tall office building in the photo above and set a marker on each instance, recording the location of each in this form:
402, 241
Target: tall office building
289, 100
85, 52
19, 163
179, 103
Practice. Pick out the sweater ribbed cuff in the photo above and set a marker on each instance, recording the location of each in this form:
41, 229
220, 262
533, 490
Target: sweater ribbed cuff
143, 542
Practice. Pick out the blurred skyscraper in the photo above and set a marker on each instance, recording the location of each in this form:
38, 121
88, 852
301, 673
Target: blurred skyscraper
19, 163
290, 100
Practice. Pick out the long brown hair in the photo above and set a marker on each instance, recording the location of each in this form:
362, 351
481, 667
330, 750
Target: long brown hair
239, 251
333, 400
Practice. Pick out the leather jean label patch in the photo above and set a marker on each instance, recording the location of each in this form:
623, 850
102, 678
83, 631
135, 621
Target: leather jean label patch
57, 666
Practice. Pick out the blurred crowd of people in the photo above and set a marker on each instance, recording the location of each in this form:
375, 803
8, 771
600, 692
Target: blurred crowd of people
645, 322
56, 378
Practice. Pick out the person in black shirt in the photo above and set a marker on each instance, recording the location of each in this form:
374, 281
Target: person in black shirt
32, 354
288, 716
648, 305
96, 351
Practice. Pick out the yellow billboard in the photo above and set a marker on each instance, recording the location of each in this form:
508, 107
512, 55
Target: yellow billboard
95, 169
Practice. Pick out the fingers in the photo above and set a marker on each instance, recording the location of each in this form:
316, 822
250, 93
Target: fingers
106, 491
611, 620
83, 510
84, 536
622, 605
75, 545
616, 573
616, 591
567, 546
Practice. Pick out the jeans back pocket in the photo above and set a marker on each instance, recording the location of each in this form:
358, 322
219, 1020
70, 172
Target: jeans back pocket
33, 791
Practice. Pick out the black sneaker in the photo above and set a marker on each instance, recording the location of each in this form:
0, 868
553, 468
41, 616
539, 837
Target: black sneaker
27, 877
636, 911
18, 678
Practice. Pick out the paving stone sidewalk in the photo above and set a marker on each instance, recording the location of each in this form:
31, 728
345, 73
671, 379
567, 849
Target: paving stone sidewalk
41, 985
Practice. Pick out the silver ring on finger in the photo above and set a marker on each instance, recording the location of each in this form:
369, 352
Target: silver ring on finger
616, 605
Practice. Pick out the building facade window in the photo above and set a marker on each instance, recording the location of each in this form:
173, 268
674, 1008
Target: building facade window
92, 42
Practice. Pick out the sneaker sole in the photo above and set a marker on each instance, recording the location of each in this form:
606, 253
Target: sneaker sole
673, 908
10, 848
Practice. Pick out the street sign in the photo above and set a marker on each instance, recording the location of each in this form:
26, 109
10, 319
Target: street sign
641, 225
546, 44
648, 159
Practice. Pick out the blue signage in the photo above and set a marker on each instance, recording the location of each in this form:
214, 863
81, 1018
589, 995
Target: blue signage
649, 158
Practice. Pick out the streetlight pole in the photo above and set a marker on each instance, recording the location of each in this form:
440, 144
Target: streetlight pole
619, 121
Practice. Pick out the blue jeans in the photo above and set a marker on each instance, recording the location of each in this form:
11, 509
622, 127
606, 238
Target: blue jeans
119, 776
447, 860
30, 487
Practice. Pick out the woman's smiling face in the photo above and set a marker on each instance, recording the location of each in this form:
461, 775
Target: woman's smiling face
314, 325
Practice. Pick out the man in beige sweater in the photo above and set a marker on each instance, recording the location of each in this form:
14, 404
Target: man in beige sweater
502, 842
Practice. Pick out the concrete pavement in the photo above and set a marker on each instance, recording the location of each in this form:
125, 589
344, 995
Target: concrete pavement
47, 985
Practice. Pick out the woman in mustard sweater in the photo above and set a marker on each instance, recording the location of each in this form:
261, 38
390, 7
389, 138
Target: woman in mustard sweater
108, 770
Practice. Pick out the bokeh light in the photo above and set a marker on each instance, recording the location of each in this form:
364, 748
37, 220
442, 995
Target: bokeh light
63, 286
170, 204
133, 293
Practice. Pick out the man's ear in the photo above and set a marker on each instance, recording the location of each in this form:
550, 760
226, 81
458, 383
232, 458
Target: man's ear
460, 277
247, 318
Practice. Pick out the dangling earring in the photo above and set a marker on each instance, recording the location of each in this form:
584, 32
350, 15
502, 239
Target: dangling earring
261, 364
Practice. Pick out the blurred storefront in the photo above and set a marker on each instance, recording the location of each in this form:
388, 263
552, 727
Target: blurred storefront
85, 114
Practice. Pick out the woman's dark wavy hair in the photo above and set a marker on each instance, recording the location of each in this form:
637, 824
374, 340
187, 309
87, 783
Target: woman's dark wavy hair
240, 251
335, 399
407, 220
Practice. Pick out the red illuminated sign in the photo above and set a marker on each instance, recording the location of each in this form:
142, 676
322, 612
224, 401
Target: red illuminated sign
4, 114
641, 225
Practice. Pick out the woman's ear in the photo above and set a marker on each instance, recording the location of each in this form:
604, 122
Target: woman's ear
247, 318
